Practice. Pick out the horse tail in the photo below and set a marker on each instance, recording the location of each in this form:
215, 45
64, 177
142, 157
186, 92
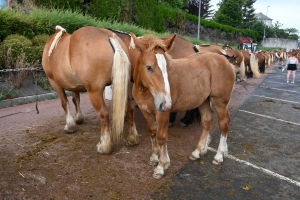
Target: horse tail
269, 61
254, 65
120, 81
242, 69
262, 67
56, 38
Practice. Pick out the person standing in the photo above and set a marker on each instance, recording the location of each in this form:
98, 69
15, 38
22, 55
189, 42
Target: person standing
291, 65
4, 3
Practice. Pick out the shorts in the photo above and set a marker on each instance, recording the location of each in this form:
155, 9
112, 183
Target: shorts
280, 59
292, 67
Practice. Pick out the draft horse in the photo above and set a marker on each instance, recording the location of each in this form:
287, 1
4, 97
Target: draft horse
163, 85
87, 61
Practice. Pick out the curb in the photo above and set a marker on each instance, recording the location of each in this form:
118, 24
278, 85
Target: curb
29, 99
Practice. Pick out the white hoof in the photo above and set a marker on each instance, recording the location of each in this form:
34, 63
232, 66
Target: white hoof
158, 172
104, 147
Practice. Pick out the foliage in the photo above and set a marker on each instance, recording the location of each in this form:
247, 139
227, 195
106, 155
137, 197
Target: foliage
205, 12
230, 13
229, 30
117, 10
44, 83
248, 14
175, 4
148, 14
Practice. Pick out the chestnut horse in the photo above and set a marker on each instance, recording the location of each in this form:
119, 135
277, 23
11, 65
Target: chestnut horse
87, 61
251, 64
163, 85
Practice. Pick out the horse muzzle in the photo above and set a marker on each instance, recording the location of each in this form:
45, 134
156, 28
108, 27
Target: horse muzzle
162, 102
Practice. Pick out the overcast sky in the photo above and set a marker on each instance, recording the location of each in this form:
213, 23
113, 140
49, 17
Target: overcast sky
286, 12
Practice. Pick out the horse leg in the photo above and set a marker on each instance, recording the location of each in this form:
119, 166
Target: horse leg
206, 120
172, 118
76, 100
133, 137
70, 122
221, 106
162, 119
154, 159
105, 144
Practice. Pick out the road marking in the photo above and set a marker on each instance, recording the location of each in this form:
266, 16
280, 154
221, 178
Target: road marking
269, 117
276, 99
276, 82
260, 168
279, 89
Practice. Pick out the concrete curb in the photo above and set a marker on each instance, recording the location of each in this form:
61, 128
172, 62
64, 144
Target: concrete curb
29, 99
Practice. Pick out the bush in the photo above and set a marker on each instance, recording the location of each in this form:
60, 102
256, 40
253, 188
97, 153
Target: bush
40, 40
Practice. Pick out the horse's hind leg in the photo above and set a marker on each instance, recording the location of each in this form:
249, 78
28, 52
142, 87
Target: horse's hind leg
76, 100
105, 144
206, 120
70, 122
133, 137
221, 106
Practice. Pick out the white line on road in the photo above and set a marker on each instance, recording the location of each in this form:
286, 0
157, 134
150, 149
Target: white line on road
276, 99
260, 168
280, 89
269, 117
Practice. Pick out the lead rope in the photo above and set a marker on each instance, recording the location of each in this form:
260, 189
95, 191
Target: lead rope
36, 94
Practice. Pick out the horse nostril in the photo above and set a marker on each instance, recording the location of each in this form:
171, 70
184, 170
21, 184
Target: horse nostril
161, 106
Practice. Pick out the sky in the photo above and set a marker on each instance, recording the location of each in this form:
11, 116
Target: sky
286, 12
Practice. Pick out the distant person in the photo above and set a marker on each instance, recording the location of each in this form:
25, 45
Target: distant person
291, 65
4, 3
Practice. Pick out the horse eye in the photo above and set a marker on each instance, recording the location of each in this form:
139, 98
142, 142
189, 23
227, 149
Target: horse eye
149, 68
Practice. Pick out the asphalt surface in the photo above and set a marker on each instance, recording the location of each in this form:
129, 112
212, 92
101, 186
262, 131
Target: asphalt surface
264, 150
263, 144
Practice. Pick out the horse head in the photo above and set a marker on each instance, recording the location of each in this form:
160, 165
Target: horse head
151, 69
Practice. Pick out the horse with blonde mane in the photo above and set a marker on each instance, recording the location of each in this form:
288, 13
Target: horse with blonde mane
87, 61
163, 85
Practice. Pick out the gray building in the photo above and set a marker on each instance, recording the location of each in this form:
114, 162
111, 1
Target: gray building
264, 19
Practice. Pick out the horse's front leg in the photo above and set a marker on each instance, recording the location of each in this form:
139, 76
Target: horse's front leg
162, 119
154, 159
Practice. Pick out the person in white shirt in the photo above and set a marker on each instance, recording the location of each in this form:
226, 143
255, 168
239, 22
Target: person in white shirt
291, 65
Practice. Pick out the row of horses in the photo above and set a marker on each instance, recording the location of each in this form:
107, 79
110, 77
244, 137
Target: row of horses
167, 74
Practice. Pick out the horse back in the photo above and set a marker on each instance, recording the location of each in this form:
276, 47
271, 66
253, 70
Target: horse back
195, 78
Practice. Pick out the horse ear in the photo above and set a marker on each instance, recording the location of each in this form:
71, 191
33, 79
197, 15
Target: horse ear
169, 42
136, 43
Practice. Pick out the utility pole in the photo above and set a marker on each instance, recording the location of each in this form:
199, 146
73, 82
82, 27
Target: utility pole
198, 36
266, 23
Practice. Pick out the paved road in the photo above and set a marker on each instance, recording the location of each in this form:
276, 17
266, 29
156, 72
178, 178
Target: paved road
263, 145
264, 150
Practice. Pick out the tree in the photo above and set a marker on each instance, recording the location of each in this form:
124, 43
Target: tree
205, 12
230, 13
180, 4
291, 31
248, 14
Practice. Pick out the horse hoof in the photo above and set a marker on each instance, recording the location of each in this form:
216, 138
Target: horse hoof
183, 124
157, 176
69, 131
216, 162
193, 157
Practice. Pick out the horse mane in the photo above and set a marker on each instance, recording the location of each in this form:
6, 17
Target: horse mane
117, 31
153, 42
